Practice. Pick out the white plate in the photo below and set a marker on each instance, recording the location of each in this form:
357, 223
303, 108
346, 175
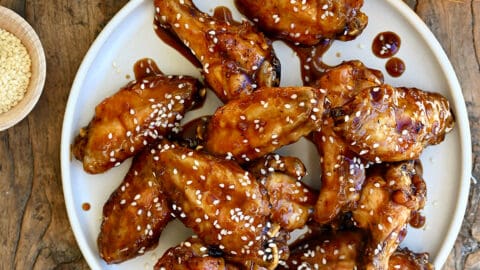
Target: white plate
130, 37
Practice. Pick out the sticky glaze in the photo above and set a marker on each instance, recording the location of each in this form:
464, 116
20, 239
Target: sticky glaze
395, 67
386, 44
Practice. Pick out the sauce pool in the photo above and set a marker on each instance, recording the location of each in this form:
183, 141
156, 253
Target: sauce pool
86, 206
395, 67
417, 220
386, 44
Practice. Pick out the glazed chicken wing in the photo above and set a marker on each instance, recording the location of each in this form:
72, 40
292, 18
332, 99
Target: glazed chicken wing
341, 83
307, 21
342, 178
270, 163
291, 200
253, 126
137, 115
393, 124
407, 260
223, 204
135, 214
329, 250
391, 193
343, 171
236, 58
344, 250
192, 254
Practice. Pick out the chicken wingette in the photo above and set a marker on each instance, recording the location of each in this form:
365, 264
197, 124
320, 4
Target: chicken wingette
222, 203
383, 123
255, 125
135, 214
137, 115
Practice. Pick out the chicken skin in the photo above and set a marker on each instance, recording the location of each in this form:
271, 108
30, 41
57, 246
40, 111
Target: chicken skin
390, 195
344, 250
270, 163
138, 114
307, 22
223, 204
192, 254
236, 58
328, 250
252, 126
393, 124
135, 214
341, 83
291, 200
343, 174
407, 260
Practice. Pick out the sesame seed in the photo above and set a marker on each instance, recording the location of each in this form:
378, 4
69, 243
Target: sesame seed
15, 70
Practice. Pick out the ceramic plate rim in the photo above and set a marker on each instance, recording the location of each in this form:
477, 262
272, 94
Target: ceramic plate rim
400, 7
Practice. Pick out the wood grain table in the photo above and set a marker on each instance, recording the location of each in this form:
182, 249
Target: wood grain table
34, 229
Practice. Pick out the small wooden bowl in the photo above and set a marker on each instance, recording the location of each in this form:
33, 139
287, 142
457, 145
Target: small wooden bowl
15, 24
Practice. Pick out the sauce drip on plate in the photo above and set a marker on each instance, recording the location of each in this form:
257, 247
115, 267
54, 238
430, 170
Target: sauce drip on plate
144, 68
224, 14
86, 206
417, 220
395, 67
311, 60
386, 44
170, 39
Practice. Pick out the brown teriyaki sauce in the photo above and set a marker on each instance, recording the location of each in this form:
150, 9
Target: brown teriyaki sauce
395, 67
144, 68
417, 220
224, 14
386, 45
311, 60
173, 41
147, 67
192, 134
86, 206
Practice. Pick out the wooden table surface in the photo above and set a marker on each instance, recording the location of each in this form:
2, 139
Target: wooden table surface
35, 232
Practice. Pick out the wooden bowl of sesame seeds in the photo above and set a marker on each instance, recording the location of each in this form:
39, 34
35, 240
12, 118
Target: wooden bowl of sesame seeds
22, 68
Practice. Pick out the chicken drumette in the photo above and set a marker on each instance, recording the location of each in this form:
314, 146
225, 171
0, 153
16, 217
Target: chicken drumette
307, 21
135, 214
138, 114
236, 58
